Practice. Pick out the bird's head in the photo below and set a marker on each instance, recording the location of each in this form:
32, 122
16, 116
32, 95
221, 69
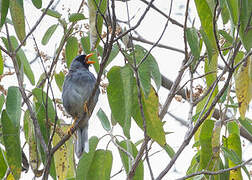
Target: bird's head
84, 60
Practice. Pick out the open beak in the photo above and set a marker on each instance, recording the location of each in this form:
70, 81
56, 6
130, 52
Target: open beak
87, 57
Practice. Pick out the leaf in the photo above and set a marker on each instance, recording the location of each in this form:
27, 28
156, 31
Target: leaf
64, 155
96, 20
224, 12
193, 41
2, 100
4, 6
243, 87
153, 123
86, 48
233, 128
86, 159
21, 58
17, 16
169, 150
131, 148
245, 32
227, 37
48, 34
74, 17
3, 164
205, 139
52, 13
114, 52
234, 144
41, 98
119, 92
72, 47
104, 120
233, 8
37, 3
11, 137
13, 105
101, 165
1, 63
59, 78
147, 69
246, 124
208, 44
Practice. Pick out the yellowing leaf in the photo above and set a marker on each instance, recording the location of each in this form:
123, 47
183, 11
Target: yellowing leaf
243, 87
153, 123
17, 16
63, 155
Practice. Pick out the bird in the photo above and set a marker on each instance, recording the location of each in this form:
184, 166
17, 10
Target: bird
77, 88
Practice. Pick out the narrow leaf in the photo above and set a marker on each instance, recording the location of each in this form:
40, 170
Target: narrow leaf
193, 41
74, 17
11, 137
246, 124
96, 20
1, 63
37, 3
48, 34
150, 107
71, 49
2, 100
52, 13
59, 78
4, 6
104, 120
3, 164
17, 16
233, 8
127, 162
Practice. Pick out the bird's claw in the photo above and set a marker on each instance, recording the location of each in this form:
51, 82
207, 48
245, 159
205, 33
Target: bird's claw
85, 107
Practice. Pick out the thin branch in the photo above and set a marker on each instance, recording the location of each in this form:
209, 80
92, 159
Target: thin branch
173, 21
34, 27
140, 39
216, 172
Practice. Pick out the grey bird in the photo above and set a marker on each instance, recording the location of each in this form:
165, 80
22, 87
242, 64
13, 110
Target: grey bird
77, 88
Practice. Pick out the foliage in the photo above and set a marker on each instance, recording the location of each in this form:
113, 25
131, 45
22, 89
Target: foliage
129, 73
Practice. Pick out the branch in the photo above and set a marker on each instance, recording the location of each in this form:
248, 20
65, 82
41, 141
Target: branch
216, 172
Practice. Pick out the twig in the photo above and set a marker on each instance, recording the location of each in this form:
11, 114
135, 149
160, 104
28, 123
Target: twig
216, 172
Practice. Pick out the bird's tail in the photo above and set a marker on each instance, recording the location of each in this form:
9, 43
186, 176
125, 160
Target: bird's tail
81, 143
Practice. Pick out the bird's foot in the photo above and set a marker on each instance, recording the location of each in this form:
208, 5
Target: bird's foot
85, 107
70, 129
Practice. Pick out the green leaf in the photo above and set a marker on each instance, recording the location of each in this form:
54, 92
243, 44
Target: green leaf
245, 30
86, 48
96, 20
233, 8
59, 78
127, 162
13, 105
17, 16
72, 47
119, 92
169, 150
48, 34
27, 120
74, 17
52, 13
37, 3
1, 101
1, 63
233, 128
227, 37
205, 139
4, 6
114, 52
101, 165
41, 99
104, 120
150, 107
193, 41
86, 159
147, 69
11, 137
21, 57
224, 12
230, 154
246, 124
208, 44
3, 164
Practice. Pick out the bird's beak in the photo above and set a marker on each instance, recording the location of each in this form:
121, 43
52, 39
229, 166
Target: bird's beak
87, 57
